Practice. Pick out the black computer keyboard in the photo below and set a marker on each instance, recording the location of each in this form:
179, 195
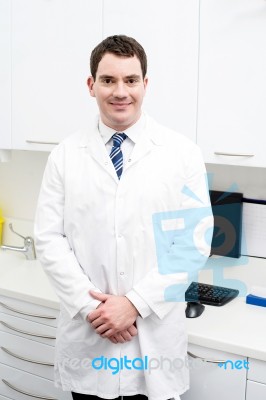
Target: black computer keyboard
210, 294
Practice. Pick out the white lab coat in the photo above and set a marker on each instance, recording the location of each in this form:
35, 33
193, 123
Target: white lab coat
95, 232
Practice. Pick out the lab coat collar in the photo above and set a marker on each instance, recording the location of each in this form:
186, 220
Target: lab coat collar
133, 132
151, 131
150, 138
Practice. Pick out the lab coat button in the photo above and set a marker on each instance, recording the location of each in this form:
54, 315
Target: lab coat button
122, 273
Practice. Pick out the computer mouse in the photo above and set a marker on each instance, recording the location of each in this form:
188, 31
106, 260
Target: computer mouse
194, 309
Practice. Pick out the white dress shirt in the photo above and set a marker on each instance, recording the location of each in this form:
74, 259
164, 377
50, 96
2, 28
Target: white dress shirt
133, 134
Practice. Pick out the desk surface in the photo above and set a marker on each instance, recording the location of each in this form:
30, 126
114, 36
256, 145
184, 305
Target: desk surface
236, 327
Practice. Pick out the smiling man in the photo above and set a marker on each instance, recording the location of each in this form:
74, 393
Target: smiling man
96, 241
119, 87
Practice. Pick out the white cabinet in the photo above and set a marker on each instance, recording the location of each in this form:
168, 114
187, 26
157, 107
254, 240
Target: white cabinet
256, 384
255, 391
212, 380
168, 31
232, 84
18, 385
51, 45
27, 339
5, 74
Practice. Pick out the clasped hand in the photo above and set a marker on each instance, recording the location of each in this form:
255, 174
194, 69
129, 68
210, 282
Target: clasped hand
114, 318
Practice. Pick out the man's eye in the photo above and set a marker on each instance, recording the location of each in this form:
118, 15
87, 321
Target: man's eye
132, 81
107, 81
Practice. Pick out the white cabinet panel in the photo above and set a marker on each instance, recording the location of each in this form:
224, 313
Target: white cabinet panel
27, 355
5, 74
24, 382
232, 84
168, 31
26, 359
51, 45
255, 391
27, 329
32, 312
257, 370
210, 381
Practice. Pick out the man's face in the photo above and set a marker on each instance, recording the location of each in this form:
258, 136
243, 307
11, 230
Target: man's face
119, 89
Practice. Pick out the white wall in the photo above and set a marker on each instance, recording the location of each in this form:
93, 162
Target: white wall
20, 181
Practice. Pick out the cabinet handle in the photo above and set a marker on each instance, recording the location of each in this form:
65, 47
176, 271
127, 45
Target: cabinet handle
26, 313
26, 359
205, 359
40, 142
221, 153
38, 396
25, 332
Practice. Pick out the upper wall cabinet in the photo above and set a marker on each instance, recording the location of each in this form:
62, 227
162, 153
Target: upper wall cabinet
232, 82
5, 74
168, 31
51, 45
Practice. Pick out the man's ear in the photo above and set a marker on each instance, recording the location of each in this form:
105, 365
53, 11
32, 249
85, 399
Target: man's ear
145, 81
90, 83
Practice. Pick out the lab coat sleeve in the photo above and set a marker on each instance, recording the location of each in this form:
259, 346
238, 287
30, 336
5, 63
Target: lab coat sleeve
183, 242
53, 249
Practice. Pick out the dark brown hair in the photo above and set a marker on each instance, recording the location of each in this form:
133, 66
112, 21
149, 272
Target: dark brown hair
119, 45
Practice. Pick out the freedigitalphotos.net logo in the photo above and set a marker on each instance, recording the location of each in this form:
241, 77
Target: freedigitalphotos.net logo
115, 365
149, 364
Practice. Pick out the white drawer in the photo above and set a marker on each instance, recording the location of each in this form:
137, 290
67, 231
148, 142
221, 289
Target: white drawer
28, 329
257, 370
255, 391
30, 311
27, 355
24, 382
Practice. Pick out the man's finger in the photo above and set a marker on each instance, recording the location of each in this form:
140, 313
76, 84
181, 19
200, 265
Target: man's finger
132, 330
94, 315
99, 296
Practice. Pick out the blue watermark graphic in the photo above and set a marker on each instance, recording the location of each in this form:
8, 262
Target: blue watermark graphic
238, 364
118, 364
182, 237
149, 364
177, 251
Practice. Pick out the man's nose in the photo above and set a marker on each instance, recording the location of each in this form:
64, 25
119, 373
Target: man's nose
120, 90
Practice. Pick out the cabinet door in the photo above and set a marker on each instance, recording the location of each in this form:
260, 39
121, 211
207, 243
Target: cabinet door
255, 391
5, 74
210, 380
27, 329
168, 31
232, 84
51, 46
257, 370
14, 383
25, 310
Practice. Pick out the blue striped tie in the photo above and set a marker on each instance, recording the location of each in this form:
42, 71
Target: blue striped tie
116, 154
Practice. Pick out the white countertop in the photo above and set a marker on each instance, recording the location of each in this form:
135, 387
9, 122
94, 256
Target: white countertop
25, 280
236, 327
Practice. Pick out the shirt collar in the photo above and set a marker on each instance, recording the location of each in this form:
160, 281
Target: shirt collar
133, 132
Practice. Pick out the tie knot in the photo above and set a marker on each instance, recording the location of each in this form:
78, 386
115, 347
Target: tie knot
118, 139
